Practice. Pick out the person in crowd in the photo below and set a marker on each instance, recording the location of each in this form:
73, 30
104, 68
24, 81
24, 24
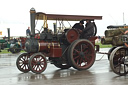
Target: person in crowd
28, 32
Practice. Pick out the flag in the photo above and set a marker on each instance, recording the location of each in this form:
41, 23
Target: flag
0, 32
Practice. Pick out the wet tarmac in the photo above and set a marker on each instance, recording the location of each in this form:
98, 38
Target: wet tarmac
99, 74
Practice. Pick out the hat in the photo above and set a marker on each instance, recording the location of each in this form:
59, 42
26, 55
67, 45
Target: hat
82, 22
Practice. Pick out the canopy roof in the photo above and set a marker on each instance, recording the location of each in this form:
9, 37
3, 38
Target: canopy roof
41, 16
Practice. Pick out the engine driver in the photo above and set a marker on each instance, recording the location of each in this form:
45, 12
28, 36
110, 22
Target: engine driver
79, 26
89, 29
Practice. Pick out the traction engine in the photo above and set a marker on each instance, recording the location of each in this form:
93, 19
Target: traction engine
117, 36
64, 50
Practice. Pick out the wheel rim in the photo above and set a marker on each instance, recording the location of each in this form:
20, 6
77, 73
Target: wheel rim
22, 62
119, 61
82, 54
109, 52
37, 63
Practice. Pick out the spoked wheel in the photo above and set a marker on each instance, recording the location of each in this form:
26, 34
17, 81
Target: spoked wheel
81, 54
22, 62
119, 60
37, 63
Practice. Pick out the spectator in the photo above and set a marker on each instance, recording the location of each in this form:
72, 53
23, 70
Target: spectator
28, 32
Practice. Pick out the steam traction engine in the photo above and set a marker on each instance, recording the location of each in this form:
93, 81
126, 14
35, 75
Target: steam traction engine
118, 54
117, 36
64, 50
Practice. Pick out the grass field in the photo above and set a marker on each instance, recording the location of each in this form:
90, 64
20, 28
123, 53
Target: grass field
6, 51
104, 46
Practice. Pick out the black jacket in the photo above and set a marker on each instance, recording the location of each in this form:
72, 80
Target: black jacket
78, 26
28, 32
89, 29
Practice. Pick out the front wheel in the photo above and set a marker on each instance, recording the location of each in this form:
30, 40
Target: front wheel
81, 54
110, 51
37, 63
119, 60
22, 62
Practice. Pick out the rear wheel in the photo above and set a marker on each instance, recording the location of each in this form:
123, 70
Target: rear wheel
81, 54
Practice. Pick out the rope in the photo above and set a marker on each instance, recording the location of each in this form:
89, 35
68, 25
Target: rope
100, 58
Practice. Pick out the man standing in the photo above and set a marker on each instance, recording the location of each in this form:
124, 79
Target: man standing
28, 32
79, 26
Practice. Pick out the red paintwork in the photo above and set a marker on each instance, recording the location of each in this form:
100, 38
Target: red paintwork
92, 39
53, 48
37, 36
23, 40
72, 35
55, 52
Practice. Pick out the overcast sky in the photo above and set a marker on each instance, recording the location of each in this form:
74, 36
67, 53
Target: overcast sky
14, 14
